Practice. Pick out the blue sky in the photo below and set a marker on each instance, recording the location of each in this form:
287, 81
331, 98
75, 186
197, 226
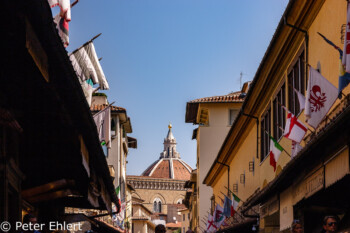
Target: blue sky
159, 54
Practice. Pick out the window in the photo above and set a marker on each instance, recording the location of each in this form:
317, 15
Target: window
204, 117
157, 205
233, 115
265, 131
296, 80
183, 217
279, 113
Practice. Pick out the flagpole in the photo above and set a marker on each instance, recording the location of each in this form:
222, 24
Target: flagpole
224, 194
74, 3
228, 189
104, 108
86, 43
278, 144
221, 199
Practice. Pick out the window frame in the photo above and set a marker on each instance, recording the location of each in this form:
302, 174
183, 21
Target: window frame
265, 125
229, 116
279, 113
298, 66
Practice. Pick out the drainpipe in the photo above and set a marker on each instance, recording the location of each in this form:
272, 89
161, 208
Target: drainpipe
228, 176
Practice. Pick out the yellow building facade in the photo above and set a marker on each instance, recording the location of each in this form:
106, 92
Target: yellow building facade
278, 197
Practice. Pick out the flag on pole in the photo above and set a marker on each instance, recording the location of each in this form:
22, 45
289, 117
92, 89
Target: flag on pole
227, 207
301, 99
346, 55
103, 123
63, 29
235, 202
219, 216
296, 147
64, 8
344, 77
211, 227
275, 152
62, 19
117, 192
294, 130
320, 97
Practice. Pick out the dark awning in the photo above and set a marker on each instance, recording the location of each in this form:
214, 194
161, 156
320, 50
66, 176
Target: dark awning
42, 93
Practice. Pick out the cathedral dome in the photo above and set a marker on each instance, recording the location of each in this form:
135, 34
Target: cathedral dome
169, 165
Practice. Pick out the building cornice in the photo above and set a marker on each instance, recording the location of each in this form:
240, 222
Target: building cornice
284, 44
156, 184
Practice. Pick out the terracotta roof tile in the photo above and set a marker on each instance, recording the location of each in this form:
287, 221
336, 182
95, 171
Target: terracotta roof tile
173, 225
180, 171
161, 169
99, 107
233, 97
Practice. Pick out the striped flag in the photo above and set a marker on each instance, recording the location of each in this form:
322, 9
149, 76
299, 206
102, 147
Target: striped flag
235, 202
275, 152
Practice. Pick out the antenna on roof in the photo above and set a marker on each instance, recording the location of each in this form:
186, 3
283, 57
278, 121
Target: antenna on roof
240, 80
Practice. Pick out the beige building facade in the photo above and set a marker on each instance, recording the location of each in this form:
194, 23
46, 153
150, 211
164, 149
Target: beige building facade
214, 117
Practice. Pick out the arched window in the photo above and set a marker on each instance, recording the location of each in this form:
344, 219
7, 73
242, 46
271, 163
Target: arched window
157, 205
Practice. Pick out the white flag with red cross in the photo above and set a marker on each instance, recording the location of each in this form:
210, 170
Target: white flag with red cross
320, 96
211, 227
294, 130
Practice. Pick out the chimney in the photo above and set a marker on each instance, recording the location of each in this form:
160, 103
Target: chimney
99, 98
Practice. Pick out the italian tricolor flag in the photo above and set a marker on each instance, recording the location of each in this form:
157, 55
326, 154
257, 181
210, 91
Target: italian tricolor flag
235, 202
117, 191
275, 152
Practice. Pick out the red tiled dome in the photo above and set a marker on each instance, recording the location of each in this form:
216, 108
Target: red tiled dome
170, 168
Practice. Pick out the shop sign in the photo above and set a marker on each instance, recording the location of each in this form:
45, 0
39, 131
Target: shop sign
299, 192
314, 183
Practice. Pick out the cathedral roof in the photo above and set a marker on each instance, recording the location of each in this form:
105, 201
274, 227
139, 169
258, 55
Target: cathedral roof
170, 168
169, 165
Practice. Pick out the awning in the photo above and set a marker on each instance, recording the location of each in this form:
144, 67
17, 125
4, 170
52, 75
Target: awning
45, 98
244, 227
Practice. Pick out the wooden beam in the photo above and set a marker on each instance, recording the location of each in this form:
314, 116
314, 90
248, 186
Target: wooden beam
49, 187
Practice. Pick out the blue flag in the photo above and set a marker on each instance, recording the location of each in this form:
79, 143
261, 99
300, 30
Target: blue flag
227, 207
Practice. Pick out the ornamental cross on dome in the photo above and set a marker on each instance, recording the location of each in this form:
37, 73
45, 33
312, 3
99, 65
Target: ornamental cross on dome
317, 98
